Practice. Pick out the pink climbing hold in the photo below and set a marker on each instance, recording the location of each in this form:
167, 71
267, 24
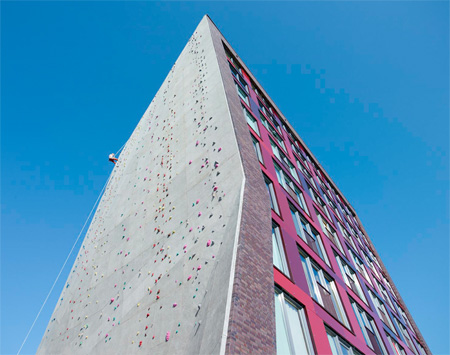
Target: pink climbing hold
190, 162
196, 143
199, 267
174, 305
199, 214
215, 188
216, 165
112, 300
185, 246
219, 149
208, 243
190, 230
167, 336
106, 335
197, 202
189, 277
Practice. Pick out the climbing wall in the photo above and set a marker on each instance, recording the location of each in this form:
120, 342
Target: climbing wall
154, 271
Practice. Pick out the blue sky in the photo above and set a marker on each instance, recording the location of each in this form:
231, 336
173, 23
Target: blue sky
364, 83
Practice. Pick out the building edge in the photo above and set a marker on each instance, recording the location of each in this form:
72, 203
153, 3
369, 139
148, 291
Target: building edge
251, 323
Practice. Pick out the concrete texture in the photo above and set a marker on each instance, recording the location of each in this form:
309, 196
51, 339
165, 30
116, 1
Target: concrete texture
153, 273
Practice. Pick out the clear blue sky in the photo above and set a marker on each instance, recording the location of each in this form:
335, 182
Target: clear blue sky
364, 83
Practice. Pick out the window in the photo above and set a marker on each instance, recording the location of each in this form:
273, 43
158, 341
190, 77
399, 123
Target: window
388, 284
329, 232
350, 278
273, 198
279, 257
272, 131
339, 346
359, 265
290, 187
384, 294
291, 327
239, 77
284, 160
242, 94
323, 289
320, 202
346, 235
406, 336
251, 120
257, 149
396, 347
381, 310
306, 173
405, 317
268, 113
420, 347
369, 329
307, 232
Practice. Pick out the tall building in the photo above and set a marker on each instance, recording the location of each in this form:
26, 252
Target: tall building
220, 232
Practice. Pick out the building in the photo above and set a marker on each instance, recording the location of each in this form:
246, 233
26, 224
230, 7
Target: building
219, 232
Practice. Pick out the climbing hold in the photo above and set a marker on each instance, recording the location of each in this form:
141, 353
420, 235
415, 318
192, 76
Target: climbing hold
167, 336
208, 243
174, 305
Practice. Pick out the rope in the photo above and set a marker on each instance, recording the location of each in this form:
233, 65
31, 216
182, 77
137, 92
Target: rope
120, 148
65, 262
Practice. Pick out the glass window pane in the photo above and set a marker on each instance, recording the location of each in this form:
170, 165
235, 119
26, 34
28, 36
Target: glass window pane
277, 253
298, 335
334, 350
282, 336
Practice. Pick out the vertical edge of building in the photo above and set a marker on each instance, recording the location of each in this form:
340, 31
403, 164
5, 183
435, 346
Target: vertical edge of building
251, 322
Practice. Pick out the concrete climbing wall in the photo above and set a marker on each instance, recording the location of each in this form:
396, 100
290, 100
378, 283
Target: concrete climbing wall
153, 274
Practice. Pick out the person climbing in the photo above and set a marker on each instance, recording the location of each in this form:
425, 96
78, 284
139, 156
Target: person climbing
112, 158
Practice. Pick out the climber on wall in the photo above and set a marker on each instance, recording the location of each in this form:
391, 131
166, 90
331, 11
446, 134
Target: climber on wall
112, 158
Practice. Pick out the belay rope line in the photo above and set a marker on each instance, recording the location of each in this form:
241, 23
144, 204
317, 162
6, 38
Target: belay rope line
67, 259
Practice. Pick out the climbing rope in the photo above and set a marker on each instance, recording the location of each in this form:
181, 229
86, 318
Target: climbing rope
65, 262
120, 148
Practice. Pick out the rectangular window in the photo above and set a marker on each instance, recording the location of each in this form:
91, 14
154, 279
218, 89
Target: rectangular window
320, 203
347, 235
305, 172
339, 346
384, 294
323, 289
290, 187
292, 333
257, 149
381, 311
329, 231
309, 235
239, 77
405, 317
284, 160
251, 120
405, 335
273, 198
350, 278
396, 347
279, 257
359, 265
369, 329
242, 94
